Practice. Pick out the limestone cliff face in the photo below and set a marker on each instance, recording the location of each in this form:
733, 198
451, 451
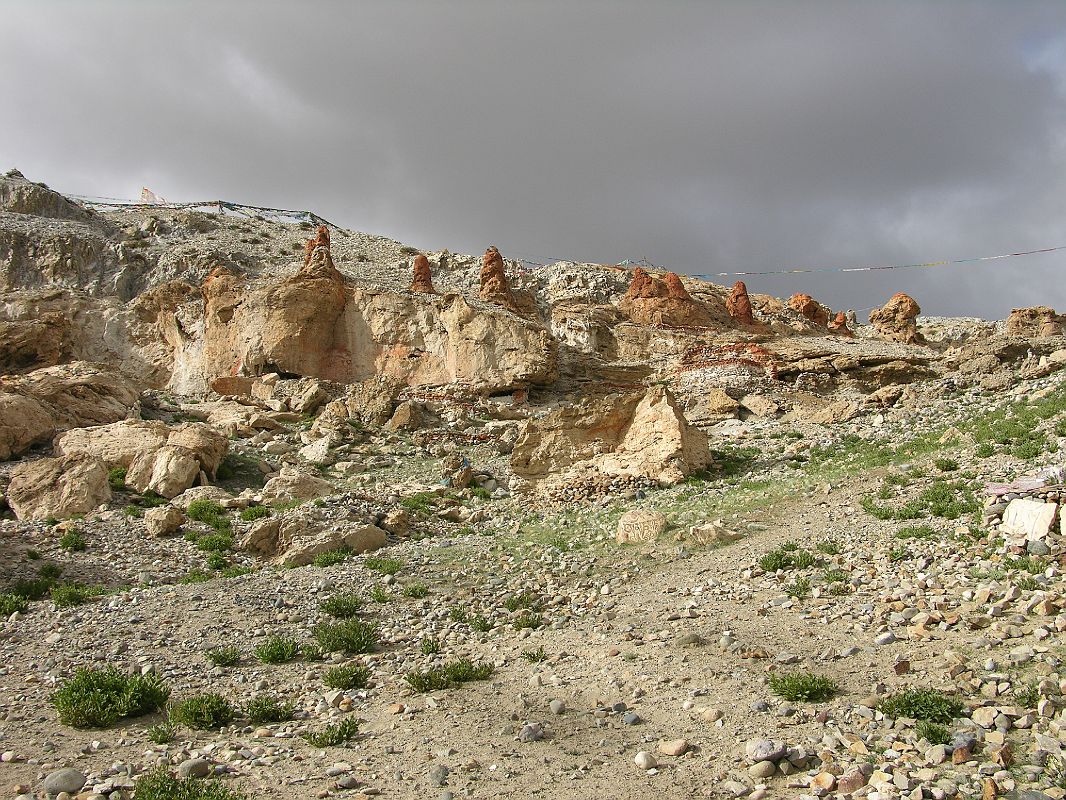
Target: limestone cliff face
313, 324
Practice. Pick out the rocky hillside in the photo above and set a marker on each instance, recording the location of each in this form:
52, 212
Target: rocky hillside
294, 511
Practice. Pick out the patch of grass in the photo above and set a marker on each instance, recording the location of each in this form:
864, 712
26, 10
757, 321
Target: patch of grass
835, 576
922, 704
1026, 583
216, 561
788, 556
379, 594
228, 656
65, 595
732, 462
214, 542
829, 546
932, 732
525, 599
334, 735
266, 708
799, 588
253, 513
343, 606
479, 623
916, 532
430, 646
352, 636
987, 573
808, 687
945, 464
1034, 566
72, 541
528, 619
161, 733
897, 554
133, 511
837, 588
535, 656
331, 557
452, 674
195, 576
415, 591
458, 614
382, 565
420, 503
203, 712
236, 571
985, 450
210, 513
1027, 695
278, 650
116, 478
349, 676
159, 784
97, 698
11, 602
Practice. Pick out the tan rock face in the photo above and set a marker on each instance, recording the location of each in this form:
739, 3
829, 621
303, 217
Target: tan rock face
117, 445
291, 484
738, 304
640, 435
163, 520
650, 301
295, 542
896, 319
168, 471
810, 309
495, 287
1035, 323
422, 278
58, 487
34, 406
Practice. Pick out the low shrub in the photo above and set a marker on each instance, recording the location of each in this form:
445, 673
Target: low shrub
264, 709
10, 603
808, 687
385, 566
72, 541
97, 698
331, 557
343, 605
203, 712
159, 784
334, 735
224, 656
452, 674
254, 512
922, 704
349, 676
278, 650
353, 636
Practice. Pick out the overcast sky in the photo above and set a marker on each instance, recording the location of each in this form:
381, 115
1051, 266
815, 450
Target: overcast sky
705, 136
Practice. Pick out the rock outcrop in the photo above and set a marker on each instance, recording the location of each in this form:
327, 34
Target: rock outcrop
33, 407
1037, 322
422, 276
640, 435
295, 542
839, 324
666, 302
495, 288
738, 304
58, 487
896, 319
810, 309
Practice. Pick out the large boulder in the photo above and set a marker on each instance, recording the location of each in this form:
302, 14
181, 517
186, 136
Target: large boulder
896, 319
1037, 322
295, 542
168, 471
291, 484
640, 525
58, 487
74, 395
117, 444
638, 435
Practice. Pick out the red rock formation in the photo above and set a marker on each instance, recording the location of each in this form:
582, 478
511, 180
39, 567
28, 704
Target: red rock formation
738, 304
674, 287
494, 285
422, 280
318, 259
1036, 322
810, 308
650, 301
895, 320
643, 285
320, 239
839, 324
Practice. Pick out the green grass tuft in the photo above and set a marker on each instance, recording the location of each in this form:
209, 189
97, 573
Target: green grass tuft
922, 704
203, 712
278, 650
224, 656
159, 784
342, 606
97, 698
72, 541
334, 735
352, 636
349, 676
265, 709
808, 687
452, 674
385, 566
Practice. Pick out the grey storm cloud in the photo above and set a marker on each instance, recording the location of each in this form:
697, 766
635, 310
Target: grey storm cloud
707, 137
